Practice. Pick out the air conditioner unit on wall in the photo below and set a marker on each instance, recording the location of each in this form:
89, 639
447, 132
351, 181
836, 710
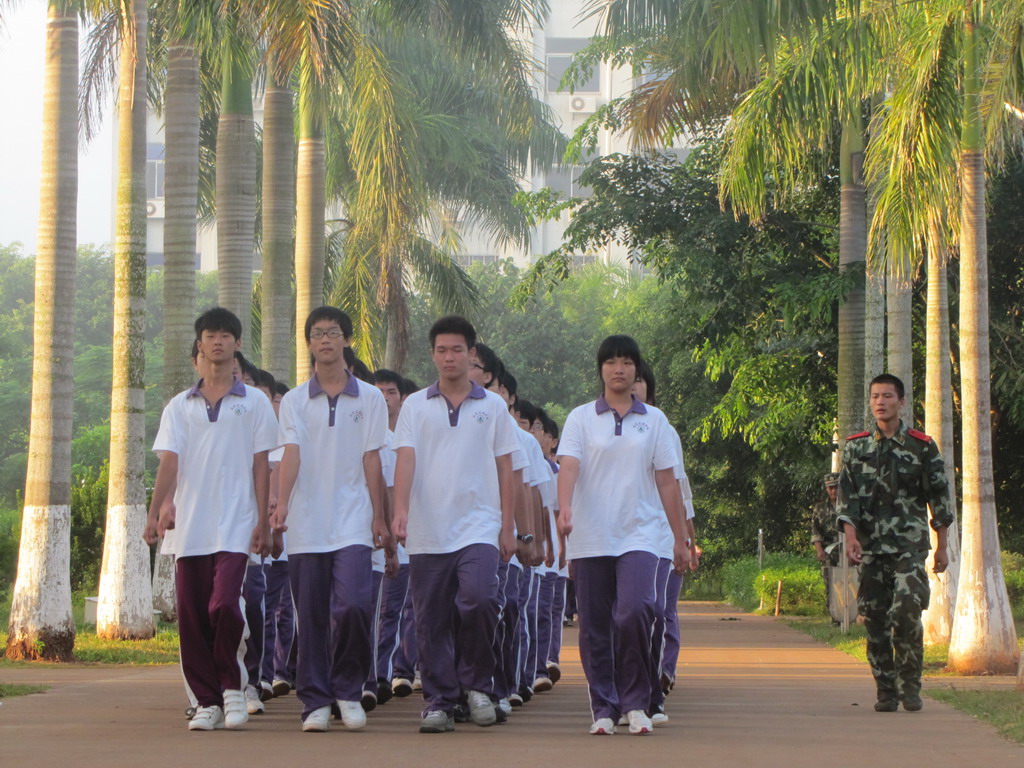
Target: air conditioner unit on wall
582, 104
155, 208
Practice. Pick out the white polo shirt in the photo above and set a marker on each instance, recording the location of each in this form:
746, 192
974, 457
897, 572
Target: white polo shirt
215, 443
616, 507
455, 499
330, 507
387, 464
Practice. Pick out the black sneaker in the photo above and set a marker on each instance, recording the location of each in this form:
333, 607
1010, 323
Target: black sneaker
886, 705
554, 672
401, 686
461, 713
525, 693
369, 701
499, 715
384, 693
913, 703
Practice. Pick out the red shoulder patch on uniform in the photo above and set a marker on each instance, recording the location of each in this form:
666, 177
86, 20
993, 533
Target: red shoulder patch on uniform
919, 435
859, 434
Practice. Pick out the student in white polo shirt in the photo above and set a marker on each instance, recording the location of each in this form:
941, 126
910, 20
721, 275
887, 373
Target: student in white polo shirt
669, 581
615, 484
487, 370
453, 510
213, 443
331, 503
390, 571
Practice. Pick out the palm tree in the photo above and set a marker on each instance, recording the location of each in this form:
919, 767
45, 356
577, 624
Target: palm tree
278, 216
41, 625
236, 164
983, 638
125, 608
438, 119
181, 192
945, 110
938, 409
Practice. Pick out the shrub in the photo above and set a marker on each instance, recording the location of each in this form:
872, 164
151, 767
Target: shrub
803, 593
10, 535
88, 519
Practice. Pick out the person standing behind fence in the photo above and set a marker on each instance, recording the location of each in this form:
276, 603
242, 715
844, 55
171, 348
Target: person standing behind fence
824, 534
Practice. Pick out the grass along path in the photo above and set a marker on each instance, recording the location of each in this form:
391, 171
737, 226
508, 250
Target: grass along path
90, 649
1002, 709
10, 690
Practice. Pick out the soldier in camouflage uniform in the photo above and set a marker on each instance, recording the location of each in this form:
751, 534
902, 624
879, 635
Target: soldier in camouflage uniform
824, 533
890, 476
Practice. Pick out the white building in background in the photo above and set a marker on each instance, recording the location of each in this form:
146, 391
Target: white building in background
553, 46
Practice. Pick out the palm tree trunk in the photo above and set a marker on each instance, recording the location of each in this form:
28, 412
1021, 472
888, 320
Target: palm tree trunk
310, 200
181, 192
278, 217
984, 640
125, 608
938, 422
41, 626
853, 241
874, 329
899, 298
236, 191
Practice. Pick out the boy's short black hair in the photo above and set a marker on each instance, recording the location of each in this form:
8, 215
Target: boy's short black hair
195, 350
280, 388
508, 382
888, 378
331, 314
618, 345
646, 373
489, 361
263, 379
526, 410
219, 319
247, 368
456, 325
387, 376
550, 426
407, 387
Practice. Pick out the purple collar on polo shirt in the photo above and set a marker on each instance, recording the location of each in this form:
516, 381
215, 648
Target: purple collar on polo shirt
602, 407
553, 464
351, 389
213, 411
476, 393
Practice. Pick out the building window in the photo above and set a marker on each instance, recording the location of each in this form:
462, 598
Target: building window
560, 51
154, 171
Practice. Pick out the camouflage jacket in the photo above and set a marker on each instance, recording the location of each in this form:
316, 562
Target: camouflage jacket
885, 487
823, 524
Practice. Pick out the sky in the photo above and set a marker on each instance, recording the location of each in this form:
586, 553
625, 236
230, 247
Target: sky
22, 47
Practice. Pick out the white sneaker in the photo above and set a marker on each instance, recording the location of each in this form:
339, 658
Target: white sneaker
401, 687
352, 714
506, 706
236, 713
481, 708
207, 719
603, 726
266, 690
417, 685
280, 687
639, 722
542, 684
317, 721
253, 705
659, 718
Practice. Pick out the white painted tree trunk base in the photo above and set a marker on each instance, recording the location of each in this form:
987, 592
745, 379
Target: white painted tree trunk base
938, 619
125, 607
41, 625
164, 597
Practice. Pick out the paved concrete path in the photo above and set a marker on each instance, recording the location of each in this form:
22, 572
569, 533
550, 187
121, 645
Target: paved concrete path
753, 692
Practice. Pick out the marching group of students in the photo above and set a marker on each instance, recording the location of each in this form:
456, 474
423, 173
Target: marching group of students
357, 538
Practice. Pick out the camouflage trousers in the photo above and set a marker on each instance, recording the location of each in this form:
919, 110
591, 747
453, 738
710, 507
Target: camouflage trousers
893, 593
